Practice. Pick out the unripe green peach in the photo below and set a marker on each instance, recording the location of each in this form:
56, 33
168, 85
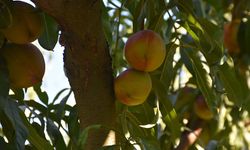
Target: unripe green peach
230, 37
201, 108
132, 87
25, 64
26, 24
145, 50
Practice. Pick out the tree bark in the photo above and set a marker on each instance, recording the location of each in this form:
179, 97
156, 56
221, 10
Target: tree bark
87, 62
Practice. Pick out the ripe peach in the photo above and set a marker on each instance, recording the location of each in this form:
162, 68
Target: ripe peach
201, 109
132, 87
145, 50
230, 37
25, 64
26, 24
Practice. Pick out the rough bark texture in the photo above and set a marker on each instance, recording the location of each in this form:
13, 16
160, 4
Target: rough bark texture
87, 62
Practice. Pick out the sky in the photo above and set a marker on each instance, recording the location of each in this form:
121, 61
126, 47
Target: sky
54, 78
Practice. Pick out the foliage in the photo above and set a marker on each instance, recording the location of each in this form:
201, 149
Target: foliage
197, 63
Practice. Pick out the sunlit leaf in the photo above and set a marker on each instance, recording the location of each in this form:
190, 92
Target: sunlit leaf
166, 107
167, 73
203, 79
234, 90
144, 113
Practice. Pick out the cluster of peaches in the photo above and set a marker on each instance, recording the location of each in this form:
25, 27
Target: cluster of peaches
24, 61
145, 52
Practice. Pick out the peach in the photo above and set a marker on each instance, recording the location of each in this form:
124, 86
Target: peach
132, 87
201, 108
25, 64
26, 24
145, 50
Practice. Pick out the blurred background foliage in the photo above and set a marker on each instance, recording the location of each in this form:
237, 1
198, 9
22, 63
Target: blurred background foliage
199, 64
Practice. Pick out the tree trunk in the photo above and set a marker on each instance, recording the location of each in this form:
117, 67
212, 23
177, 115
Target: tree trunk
87, 62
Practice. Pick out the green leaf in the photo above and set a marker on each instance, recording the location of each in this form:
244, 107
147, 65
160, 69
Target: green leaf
155, 12
131, 5
5, 15
211, 42
49, 37
150, 144
133, 126
167, 73
144, 113
234, 90
60, 111
36, 105
207, 36
216, 4
106, 24
39, 129
34, 138
18, 94
138, 16
191, 32
111, 147
203, 79
59, 94
73, 125
169, 114
43, 96
55, 135
13, 113
6, 146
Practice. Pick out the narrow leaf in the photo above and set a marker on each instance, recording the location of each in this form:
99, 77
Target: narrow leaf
43, 96
203, 79
167, 73
234, 90
49, 37
167, 109
13, 113
106, 24
34, 138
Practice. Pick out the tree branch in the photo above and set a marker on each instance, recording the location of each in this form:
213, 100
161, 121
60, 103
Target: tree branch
87, 62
